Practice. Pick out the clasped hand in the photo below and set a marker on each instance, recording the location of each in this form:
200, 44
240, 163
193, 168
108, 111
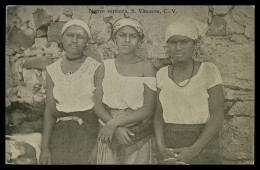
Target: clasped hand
106, 133
121, 134
179, 156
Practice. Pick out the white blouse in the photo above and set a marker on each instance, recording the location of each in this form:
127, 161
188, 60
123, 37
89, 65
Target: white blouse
74, 92
189, 104
122, 92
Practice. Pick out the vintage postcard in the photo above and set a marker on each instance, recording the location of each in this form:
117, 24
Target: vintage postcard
130, 84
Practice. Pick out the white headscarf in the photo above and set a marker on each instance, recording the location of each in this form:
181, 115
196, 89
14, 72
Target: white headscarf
128, 22
186, 26
78, 23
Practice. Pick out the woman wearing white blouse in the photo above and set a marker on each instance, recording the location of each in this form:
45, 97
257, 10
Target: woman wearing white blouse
70, 124
125, 100
190, 99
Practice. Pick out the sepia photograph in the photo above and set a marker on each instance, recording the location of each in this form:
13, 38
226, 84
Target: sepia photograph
130, 85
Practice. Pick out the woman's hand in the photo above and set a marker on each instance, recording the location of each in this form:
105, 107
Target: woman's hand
166, 152
106, 133
168, 156
45, 157
122, 135
183, 155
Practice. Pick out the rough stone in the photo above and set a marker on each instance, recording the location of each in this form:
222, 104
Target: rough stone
15, 57
67, 12
15, 48
101, 30
12, 18
210, 17
26, 29
66, 15
245, 108
238, 16
235, 61
37, 52
40, 43
238, 38
41, 18
250, 29
7, 102
217, 26
237, 138
31, 79
64, 18
53, 49
9, 81
248, 10
8, 50
17, 66
28, 52
25, 94
41, 32
221, 10
12, 91
13, 99
37, 62
233, 27
54, 31
21, 38
38, 98
241, 95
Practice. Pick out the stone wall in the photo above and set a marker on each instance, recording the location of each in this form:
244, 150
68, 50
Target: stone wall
33, 41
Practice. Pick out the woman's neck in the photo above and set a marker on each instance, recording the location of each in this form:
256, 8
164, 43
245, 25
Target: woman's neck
183, 64
76, 59
73, 56
126, 58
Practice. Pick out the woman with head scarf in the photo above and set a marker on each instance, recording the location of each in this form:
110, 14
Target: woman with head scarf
190, 99
70, 124
124, 100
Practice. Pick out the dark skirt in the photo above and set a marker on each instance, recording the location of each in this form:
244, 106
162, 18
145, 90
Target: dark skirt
71, 143
178, 136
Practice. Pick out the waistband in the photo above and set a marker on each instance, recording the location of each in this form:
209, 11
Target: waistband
80, 114
80, 117
184, 127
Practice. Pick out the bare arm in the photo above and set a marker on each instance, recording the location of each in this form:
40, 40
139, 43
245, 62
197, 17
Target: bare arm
49, 121
159, 123
216, 109
99, 107
49, 113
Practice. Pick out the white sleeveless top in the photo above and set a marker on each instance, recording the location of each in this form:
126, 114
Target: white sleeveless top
122, 92
74, 92
189, 104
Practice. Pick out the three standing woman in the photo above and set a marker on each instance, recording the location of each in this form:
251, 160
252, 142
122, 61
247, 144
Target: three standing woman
104, 114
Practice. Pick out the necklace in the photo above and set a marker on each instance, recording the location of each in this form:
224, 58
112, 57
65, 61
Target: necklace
190, 75
72, 63
73, 59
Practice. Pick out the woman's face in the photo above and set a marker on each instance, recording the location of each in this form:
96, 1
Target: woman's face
127, 39
180, 48
74, 39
